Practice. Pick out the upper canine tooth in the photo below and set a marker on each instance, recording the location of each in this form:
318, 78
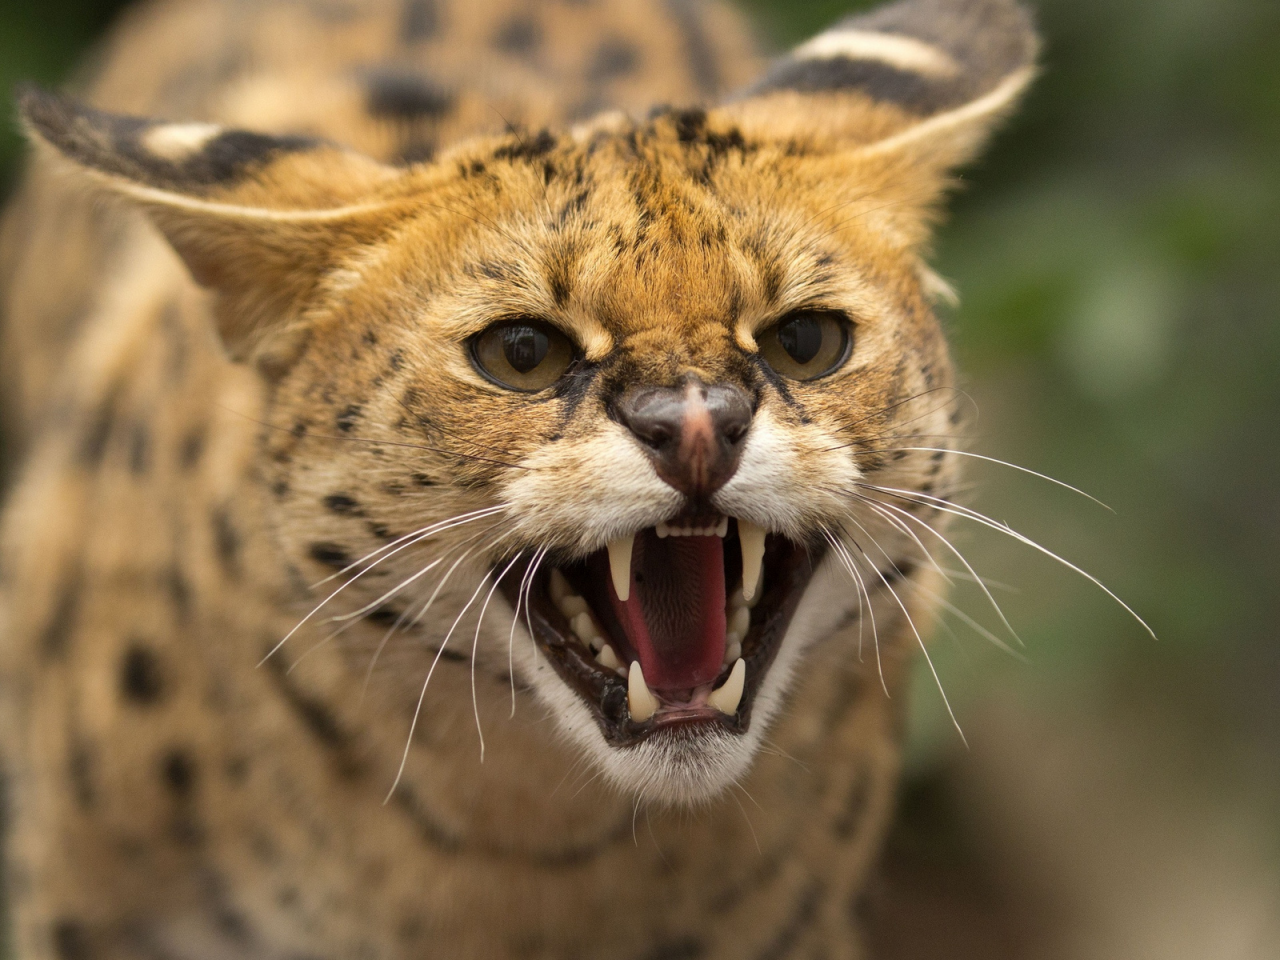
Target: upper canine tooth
727, 698
640, 699
722, 528
662, 530
620, 565
752, 539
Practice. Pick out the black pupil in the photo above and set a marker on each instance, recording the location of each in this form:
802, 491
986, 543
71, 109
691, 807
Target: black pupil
524, 347
801, 338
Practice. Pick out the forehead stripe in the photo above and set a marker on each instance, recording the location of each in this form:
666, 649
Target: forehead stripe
902, 53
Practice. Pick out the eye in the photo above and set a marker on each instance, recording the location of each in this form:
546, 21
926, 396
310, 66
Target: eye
807, 344
522, 354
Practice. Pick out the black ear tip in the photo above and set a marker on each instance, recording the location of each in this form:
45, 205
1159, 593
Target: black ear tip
45, 112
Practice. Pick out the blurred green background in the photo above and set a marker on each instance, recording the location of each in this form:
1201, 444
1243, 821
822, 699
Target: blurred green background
1118, 258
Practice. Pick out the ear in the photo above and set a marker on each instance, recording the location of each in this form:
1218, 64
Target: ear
260, 220
923, 81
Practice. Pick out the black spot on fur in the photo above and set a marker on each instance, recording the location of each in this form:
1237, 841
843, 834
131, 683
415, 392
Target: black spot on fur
420, 21
178, 773
422, 480
80, 768
93, 444
406, 97
524, 149
380, 531
139, 448
226, 540
175, 581
521, 35
70, 942
141, 681
331, 555
802, 914
114, 145
385, 616
318, 720
690, 124
855, 807
56, 636
191, 449
341, 504
613, 59
347, 419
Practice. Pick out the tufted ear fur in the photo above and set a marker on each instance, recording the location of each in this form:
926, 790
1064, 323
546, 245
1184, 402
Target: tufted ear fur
260, 220
918, 82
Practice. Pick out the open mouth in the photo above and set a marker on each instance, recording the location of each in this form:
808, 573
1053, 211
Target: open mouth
674, 626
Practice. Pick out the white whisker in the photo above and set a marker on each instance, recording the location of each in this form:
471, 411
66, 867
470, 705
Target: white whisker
427, 532
475, 645
1013, 466
948, 507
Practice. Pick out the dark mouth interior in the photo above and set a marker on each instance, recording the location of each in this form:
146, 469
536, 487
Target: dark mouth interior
685, 622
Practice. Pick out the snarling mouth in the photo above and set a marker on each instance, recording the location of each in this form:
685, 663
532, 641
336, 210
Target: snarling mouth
673, 626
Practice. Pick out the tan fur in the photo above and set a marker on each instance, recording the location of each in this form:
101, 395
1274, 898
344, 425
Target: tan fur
200, 456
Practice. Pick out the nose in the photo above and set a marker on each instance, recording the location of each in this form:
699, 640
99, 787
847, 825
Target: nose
694, 433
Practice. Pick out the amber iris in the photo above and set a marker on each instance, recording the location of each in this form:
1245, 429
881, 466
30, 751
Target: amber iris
807, 344
522, 354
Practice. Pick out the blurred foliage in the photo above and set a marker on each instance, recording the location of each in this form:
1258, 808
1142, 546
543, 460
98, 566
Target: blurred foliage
1118, 255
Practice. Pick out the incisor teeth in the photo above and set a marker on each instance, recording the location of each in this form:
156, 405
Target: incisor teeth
559, 586
620, 565
740, 621
722, 528
607, 658
640, 699
752, 539
662, 530
727, 698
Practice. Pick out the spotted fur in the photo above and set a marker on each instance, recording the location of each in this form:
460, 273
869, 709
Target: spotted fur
238, 367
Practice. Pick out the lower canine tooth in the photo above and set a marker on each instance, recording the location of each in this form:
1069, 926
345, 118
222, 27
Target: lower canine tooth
752, 539
620, 565
640, 698
727, 698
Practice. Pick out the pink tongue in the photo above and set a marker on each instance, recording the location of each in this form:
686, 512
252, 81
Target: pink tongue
674, 618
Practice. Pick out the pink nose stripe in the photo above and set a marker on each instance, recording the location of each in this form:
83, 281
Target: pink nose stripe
697, 437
